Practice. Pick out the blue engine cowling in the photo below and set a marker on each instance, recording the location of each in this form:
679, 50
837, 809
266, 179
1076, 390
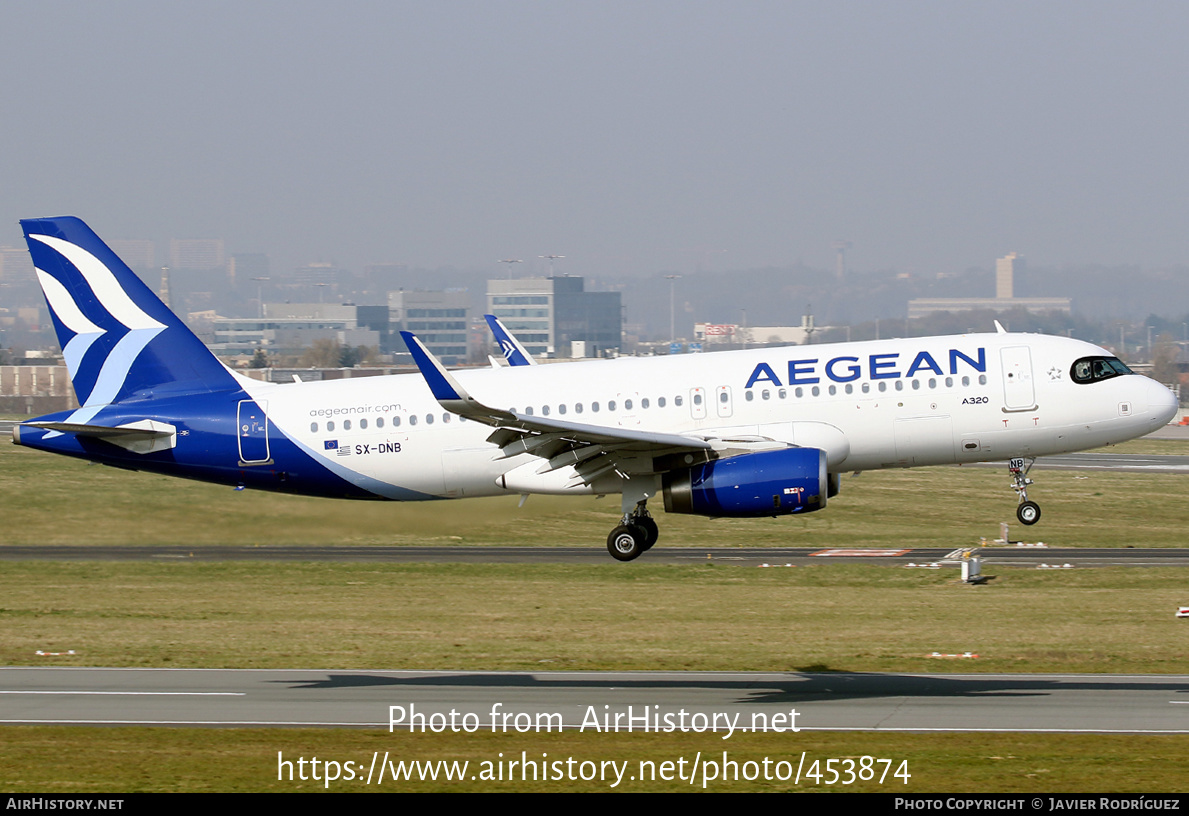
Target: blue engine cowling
768, 483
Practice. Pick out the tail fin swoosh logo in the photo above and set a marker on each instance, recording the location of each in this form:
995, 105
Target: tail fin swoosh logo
121, 313
67, 311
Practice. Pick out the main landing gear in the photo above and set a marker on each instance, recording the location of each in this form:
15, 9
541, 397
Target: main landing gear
1029, 511
636, 534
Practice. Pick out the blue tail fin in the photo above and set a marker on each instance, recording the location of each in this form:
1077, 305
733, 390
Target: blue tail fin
119, 340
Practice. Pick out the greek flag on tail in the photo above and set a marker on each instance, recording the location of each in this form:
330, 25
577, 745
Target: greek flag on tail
120, 342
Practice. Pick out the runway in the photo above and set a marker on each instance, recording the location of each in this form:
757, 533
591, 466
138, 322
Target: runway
702, 701
1097, 460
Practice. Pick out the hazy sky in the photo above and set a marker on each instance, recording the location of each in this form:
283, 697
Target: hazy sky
629, 136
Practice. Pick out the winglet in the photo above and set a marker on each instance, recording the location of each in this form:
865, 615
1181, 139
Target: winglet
514, 352
441, 384
446, 390
999, 328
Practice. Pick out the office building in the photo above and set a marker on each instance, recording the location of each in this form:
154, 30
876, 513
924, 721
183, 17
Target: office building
557, 317
440, 320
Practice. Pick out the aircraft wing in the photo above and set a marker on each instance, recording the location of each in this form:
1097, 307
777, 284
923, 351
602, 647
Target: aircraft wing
592, 450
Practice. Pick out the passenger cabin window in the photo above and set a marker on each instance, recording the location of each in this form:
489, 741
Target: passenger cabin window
1093, 369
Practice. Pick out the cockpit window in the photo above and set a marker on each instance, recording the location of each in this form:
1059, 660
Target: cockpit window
1093, 369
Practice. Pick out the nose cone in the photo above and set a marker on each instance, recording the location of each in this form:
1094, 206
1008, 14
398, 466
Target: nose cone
1162, 403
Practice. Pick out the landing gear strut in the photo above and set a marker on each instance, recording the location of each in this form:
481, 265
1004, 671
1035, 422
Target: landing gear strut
1029, 511
636, 534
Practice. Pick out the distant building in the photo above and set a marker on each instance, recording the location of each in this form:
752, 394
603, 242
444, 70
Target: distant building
196, 253
35, 389
525, 305
243, 267
376, 319
440, 320
923, 307
138, 253
718, 334
555, 317
1005, 270
316, 274
15, 264
290, 328
1004, 300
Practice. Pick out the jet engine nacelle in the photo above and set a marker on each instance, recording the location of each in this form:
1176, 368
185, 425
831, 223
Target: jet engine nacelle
767, 483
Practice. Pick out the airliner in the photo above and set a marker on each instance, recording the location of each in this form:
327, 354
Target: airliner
739, 434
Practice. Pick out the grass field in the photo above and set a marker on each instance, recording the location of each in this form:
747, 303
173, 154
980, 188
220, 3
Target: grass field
558, 617
53, 500
610, 616
58, 760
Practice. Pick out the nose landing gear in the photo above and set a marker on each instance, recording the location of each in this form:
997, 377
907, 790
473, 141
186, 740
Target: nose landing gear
1028, 512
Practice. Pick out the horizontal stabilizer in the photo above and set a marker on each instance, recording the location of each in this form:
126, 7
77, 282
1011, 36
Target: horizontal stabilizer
142, 436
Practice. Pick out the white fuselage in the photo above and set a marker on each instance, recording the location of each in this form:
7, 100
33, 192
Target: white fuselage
879, 404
